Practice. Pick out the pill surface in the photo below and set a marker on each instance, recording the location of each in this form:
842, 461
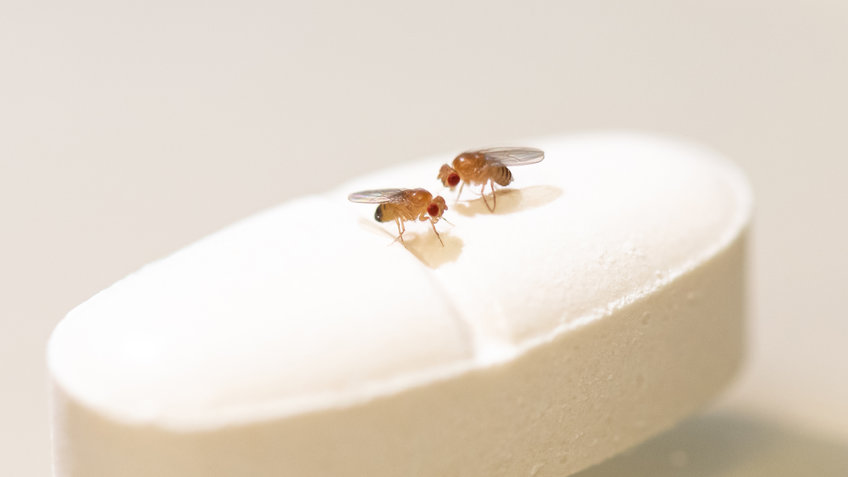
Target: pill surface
600, 303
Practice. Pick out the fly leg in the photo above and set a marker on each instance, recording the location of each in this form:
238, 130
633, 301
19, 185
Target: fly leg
401, 230
483, 194
433, 224
494, 197
461, 185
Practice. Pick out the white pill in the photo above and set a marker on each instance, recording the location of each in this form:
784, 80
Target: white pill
602, 302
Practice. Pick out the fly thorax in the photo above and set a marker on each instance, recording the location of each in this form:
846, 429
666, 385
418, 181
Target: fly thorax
470, 166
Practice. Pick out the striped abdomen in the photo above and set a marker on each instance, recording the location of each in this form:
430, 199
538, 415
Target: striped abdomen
500, 174
388, 212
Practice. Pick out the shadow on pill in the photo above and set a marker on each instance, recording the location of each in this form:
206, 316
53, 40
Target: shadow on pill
429, 251
421, 242
509, 200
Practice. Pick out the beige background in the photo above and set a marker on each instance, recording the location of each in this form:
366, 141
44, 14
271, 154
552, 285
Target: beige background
129, 131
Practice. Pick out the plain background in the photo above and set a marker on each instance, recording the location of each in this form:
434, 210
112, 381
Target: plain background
127, 131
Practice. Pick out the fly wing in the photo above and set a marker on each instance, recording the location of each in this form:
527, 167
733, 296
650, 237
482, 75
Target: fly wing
513, 156
376, 196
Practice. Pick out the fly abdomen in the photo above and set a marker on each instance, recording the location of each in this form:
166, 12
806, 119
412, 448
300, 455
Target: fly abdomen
501, 175
378, 214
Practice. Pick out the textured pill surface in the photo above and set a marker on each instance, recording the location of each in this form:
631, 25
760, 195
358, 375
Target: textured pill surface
602, 302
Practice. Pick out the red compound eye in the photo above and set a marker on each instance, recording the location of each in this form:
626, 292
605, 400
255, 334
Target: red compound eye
453, 179
433, 210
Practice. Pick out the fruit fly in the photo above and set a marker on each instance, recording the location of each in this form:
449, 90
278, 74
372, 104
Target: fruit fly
402, 205
487, 166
